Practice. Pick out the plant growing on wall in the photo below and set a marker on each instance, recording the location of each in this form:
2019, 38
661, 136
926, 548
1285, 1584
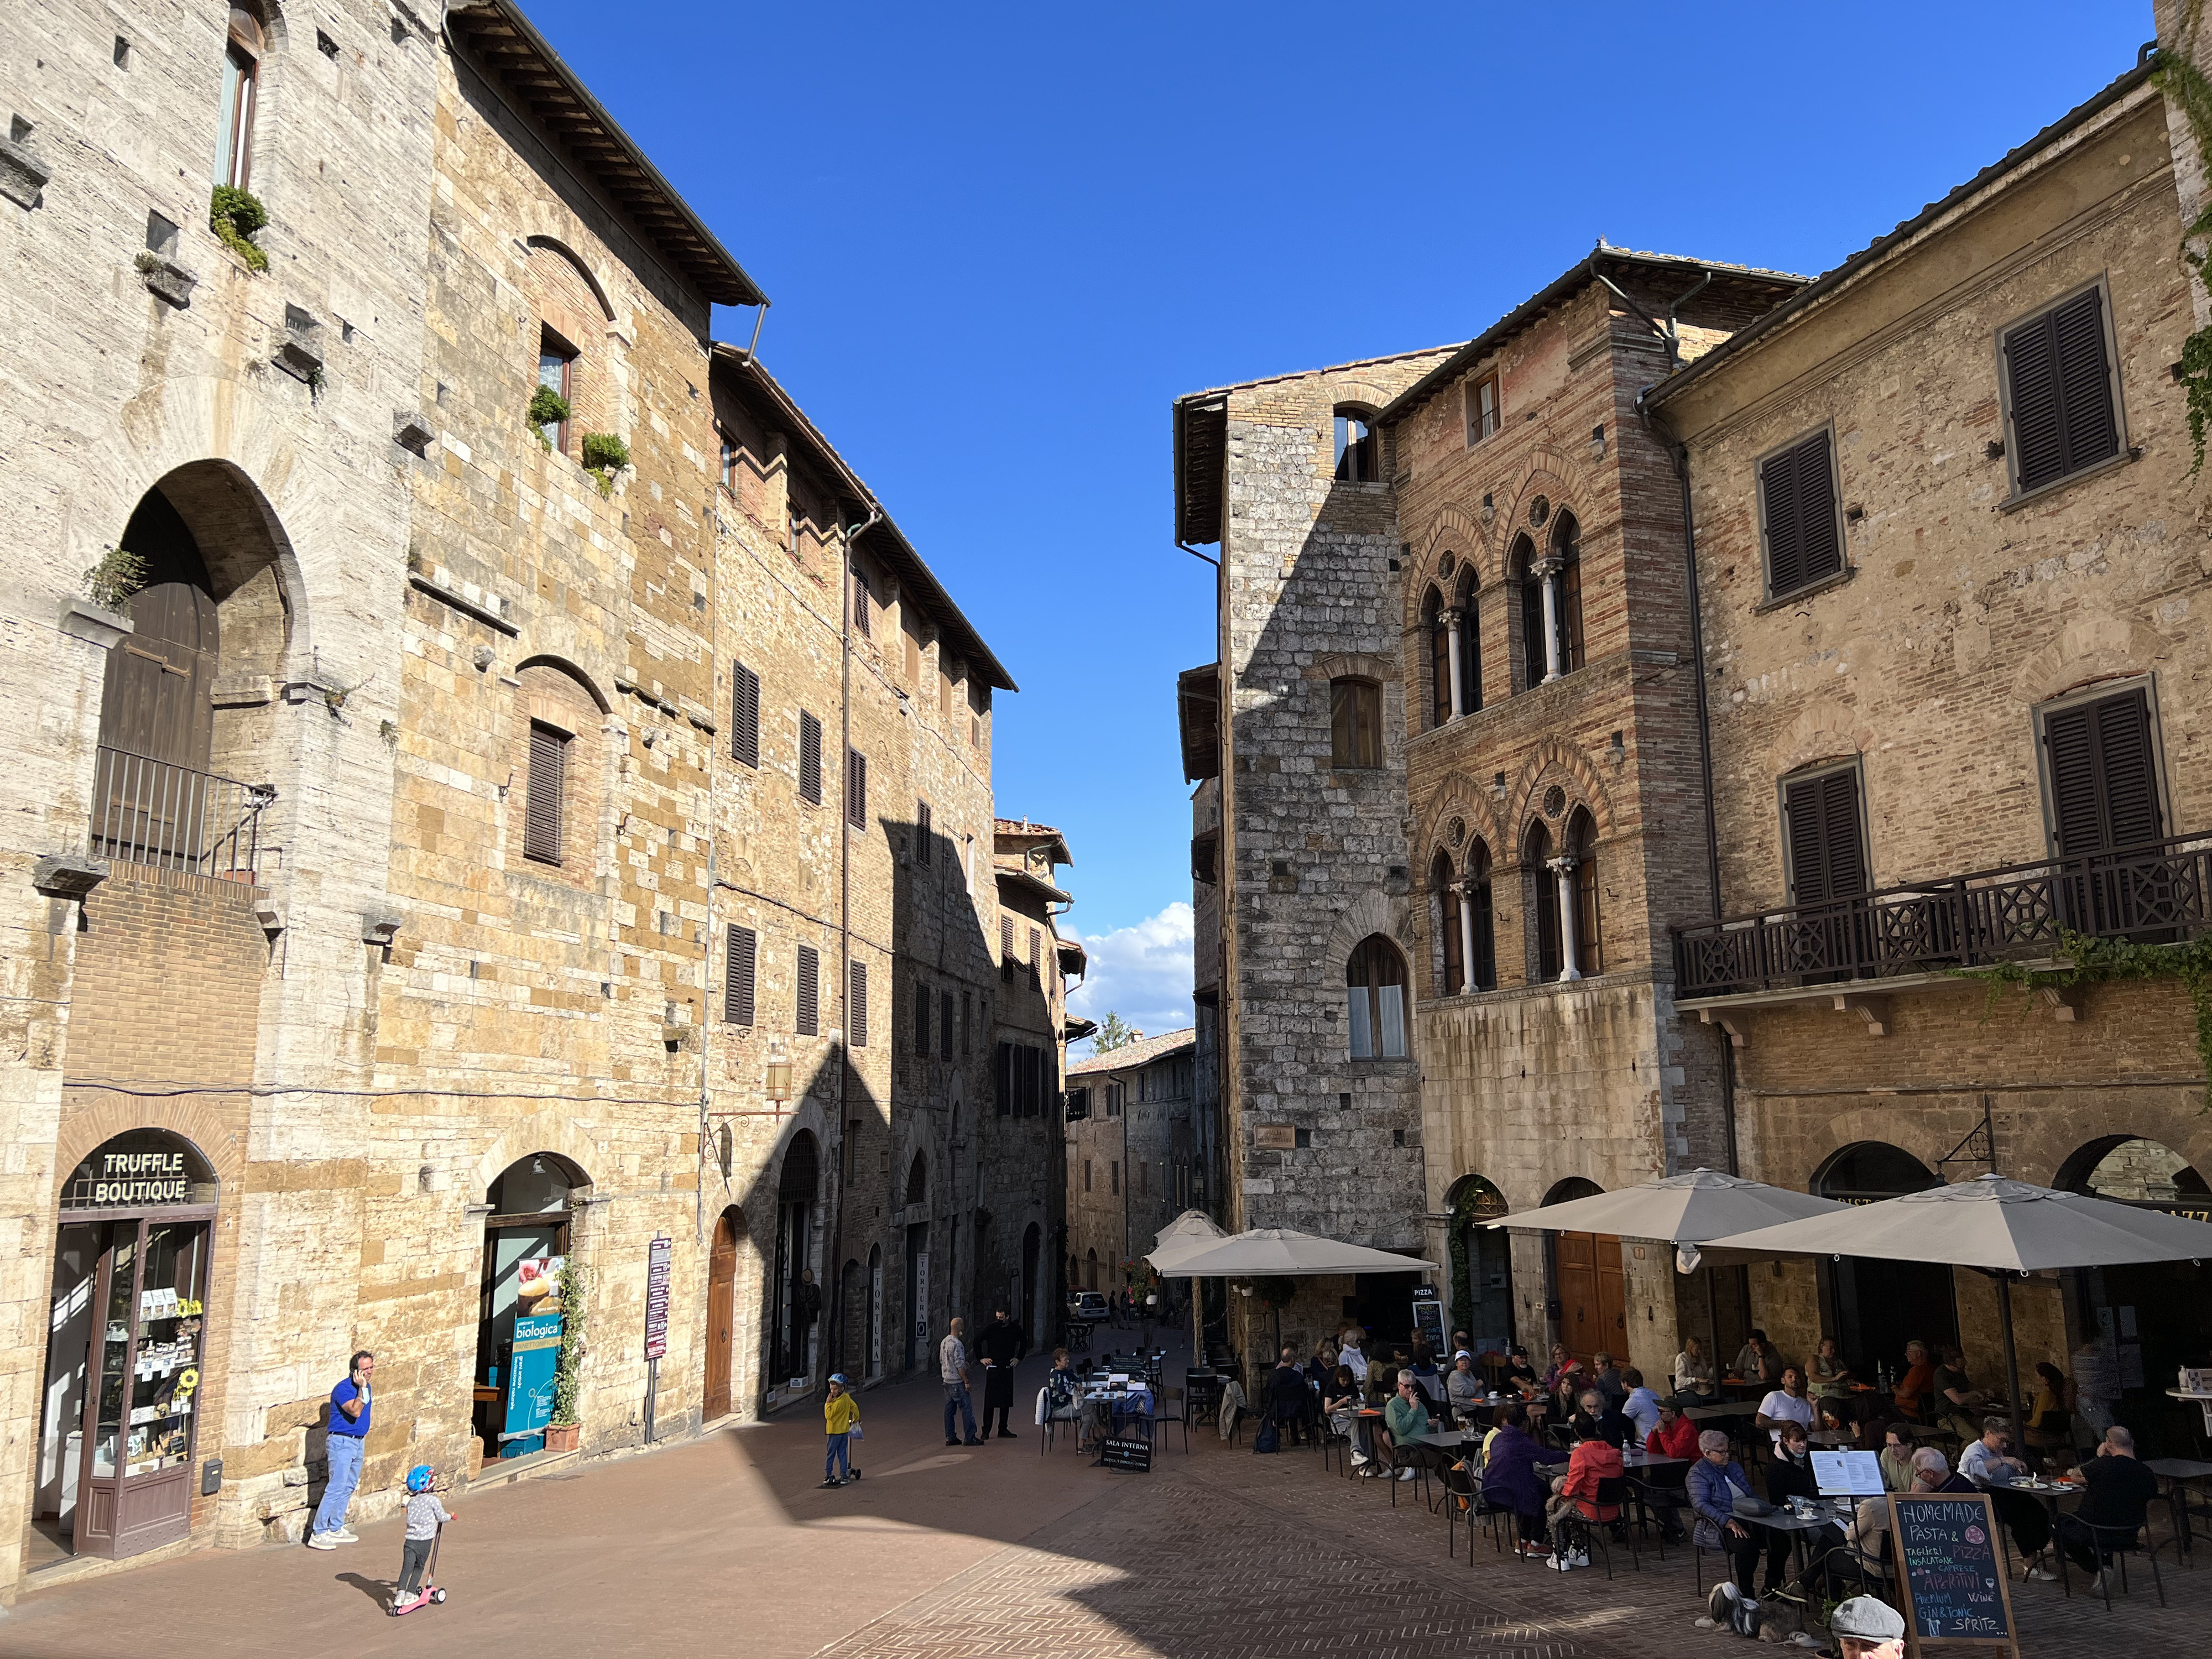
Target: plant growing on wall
567, 1380
548, 408
236, 216
2186, 87
111, 583
605, 454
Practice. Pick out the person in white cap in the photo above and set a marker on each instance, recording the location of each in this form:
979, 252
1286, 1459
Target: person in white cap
1865, 1628
1463, 1386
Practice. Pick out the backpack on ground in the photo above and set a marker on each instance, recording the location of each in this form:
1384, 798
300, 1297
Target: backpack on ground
1269, 1438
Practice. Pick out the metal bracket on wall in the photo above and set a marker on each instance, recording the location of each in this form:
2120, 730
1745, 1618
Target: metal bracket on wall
1977, 1151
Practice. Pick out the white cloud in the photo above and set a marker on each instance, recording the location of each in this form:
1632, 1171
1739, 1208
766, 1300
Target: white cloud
1141, 973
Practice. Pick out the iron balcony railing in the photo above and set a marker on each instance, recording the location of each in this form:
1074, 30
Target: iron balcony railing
2157, 892
171, 817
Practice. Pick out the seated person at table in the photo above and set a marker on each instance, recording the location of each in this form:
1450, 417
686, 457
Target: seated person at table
1717, 1479
1406, 1416
1958, 1403
1605, 1377
1510, 1480
1790, 1475
1597, 1420
1987, 1463
1426, 1375
1898, 1446
1289, 1399
1463, 1389
1831, 1382
1932, 1471
1348, 1351
1519, 1374
1339, 1403
1063, 1389
1693, 1375
1673, 1435
1594, 1459
1917, 1384
1323, 1366
2050, 1426
1787, 1404
2117, 1491
1757, 1362
1566, 1376
1638, 1404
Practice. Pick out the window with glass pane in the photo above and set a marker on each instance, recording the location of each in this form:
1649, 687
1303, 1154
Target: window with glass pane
1355, 719
241, 83
1356, 449
557, 360
1375, 995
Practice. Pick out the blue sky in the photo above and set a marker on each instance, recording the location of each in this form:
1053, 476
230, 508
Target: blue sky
1001, 240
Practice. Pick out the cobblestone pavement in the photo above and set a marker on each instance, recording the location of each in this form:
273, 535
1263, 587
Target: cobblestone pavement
724, 1546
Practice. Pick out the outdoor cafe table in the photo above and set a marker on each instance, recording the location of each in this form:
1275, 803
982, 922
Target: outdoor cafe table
1799, 1527
2051, 1494
2177, 1473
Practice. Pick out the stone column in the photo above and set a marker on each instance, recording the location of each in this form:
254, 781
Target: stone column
1564, 869
1452, 619
1548, 571
1466, 933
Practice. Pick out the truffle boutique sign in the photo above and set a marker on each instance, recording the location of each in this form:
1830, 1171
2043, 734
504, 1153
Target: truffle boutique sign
139, 1179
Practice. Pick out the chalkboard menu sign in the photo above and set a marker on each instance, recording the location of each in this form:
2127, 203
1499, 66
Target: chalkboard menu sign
1951, 1570
1128, 1452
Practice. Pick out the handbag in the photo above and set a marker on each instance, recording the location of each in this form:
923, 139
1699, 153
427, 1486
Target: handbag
854, 1432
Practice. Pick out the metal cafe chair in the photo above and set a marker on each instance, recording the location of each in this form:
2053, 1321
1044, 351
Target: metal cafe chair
2116, 1544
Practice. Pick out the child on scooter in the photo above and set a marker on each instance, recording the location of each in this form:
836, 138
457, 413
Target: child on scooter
425, 1515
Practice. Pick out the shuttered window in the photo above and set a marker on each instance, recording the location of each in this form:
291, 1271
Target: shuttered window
549, 768
1036, 956
807, 1020
809, 758
1797, 507
737, 977
922, 837
856, 789
1355, 723
744, 715
921, 1020
2103, 775
967, 1019
1821, 818
944, 1025
2058, 383
857, 1023
1002, 1080
1535, 663
1006, 948
862, 604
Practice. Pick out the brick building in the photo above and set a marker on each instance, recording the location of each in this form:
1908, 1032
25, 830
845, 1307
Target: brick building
1132, 1153
487, 842
1950, 558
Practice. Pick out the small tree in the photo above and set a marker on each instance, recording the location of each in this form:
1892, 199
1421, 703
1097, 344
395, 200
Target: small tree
1113, 1033
575, 1285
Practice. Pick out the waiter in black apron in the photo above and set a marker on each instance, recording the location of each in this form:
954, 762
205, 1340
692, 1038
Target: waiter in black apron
1002, 1345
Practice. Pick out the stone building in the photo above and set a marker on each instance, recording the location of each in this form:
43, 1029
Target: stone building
1950, 556
415, 889
1132, 1153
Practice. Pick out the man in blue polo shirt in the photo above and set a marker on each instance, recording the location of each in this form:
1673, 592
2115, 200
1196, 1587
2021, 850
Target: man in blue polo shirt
349, 1429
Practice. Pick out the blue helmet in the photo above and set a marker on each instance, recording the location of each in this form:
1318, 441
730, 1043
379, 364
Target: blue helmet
420, 1477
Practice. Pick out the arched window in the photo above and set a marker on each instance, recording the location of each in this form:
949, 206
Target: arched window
1355, 722
1567, 555
1482, 963
1357, 447
1438, 631
1375, 983
1451, 977
1582, 848
241, 91
1470, 647
1534, 662
1544, 899
917, 1181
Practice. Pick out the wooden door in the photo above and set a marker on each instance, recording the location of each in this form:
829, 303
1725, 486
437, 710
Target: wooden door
721, 1309
1593, 1295
156, 701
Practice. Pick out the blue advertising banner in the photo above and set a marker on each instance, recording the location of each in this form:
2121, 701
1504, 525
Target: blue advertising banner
530, 1375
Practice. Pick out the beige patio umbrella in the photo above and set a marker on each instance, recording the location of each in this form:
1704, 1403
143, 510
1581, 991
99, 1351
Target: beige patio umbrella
1192, 1230
1685, 1210
1280, 1253
1999, 1227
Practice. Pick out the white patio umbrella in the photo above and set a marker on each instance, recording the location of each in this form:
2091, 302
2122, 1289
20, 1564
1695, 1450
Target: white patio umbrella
1280, 1253
1997, 1226
1683, 1210
1192, 1230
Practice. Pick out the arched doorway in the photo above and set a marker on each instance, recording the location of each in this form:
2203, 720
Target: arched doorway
527, 1238
119, 1427
1874, 1308
1026, 1309
1588, 1292
1481, 1266
721, 1312
2148, 1320
798, 1299
917, 1262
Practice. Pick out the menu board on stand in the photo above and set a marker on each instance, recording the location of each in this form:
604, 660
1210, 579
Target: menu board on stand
1951, 1571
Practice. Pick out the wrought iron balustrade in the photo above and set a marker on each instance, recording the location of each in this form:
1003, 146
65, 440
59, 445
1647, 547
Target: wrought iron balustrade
2156, 892
171, 817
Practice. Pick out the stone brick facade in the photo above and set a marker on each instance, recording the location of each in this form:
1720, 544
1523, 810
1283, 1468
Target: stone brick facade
1134, 1158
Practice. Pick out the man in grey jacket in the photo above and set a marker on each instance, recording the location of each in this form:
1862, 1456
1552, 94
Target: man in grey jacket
952, 1370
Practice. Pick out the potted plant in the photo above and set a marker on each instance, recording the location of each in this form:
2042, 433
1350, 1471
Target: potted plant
605, 455
548, 408
562, 1432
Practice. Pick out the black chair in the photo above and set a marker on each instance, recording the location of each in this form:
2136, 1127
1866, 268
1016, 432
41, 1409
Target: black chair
1462, 1495
1426, 1461
1661, 1493
1180, 1415
1048, 1430
2116, 1544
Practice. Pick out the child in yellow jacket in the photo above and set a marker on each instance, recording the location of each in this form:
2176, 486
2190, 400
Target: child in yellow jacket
841, 1416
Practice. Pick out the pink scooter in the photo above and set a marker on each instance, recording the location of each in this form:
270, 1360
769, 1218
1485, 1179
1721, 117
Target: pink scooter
431, 1591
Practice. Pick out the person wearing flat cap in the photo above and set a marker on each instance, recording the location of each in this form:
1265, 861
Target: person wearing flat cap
1865, 1628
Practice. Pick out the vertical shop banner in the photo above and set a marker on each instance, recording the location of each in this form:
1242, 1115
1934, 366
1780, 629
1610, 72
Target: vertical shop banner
658, 1255
530, 1374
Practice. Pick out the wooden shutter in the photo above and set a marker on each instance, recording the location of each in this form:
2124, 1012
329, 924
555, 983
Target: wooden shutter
944, 1025
1797, 491
2061, 392
922, 838
541, 823
861, 606
1826, 858
737, 977
857, 1020
808, 1019
809, 758
2104, 775
856, 789
744, 715
1534, 663
1036, 958
1002, 1080
1006, 948
921, 1020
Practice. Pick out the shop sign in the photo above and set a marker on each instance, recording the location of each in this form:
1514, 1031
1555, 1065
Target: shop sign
140, 1181
536, 1353
658, 1256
